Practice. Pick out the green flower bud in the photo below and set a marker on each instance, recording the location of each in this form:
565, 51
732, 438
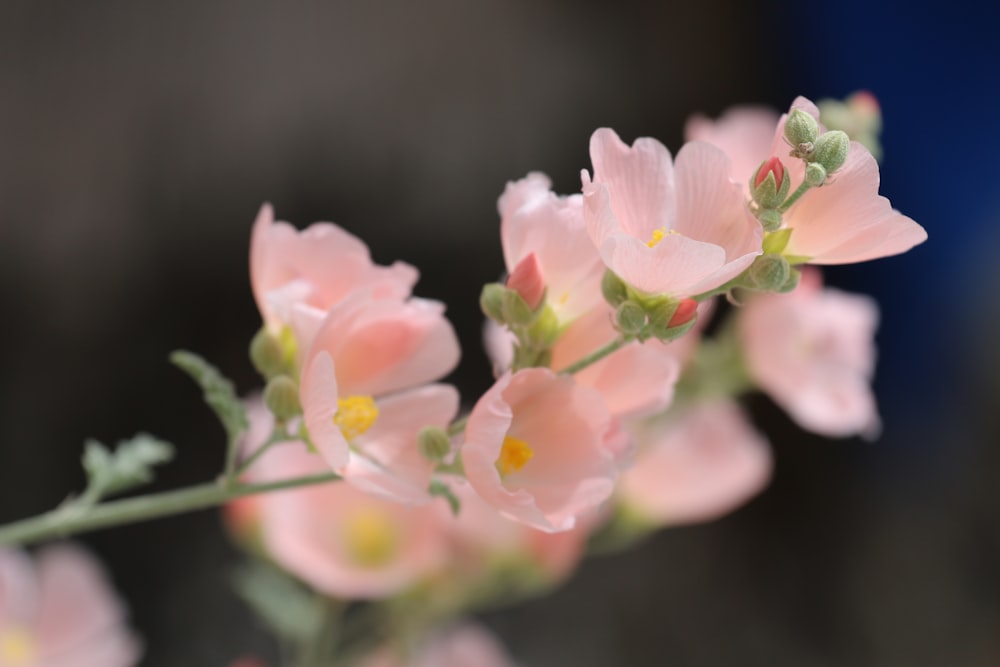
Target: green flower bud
791, 282
631, 318
801, 128
266, 354
434, 443
660, 315
491, 301
770, 184
769, 272
613, 288
282, 398
831, 150
545, 331
815, 174
770, 219
516, 310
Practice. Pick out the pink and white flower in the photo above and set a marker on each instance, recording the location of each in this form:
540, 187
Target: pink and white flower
59, 611
842, 222
695, 465
813, 352
364, 393
318, 266
541, 449
663, 228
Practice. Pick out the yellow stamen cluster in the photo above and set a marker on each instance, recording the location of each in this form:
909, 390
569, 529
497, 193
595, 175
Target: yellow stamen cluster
355, 415
371, 537
514, 455
659, 235
17, 647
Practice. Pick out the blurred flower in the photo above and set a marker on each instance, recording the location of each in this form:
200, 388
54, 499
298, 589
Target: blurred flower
60, 612
466, 645
541, 449
678, 230
813, 352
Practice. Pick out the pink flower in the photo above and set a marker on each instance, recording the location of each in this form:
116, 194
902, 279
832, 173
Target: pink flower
535, 221
678, 230
842, 222
342, 541
745, 133
364, 384
813, 352
540, 449
60, 612
466, 645
318, 266
695, 465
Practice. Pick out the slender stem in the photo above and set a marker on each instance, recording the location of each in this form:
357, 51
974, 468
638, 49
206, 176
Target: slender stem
596, 356
232, 454
72, 519
276, 437
795, 196
458, 425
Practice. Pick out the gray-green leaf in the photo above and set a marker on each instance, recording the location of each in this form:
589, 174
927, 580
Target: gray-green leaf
130, 465
219, 391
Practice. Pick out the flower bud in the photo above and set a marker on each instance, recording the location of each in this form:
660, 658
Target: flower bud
527, 280
672, 319
434, 443
282, 398
769, 272
801, 127
266, 354
631, 318
831, 150
770, 184
815, 174
686, 310
791, 282
491, 301
516, 310
770, 219
613, 288
545, 331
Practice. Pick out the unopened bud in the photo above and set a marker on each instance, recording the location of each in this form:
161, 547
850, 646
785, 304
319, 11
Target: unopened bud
801, 127
770, 219
769, 272
831, 150
613, 288
545, 330
491, 301
673, 319
434, 443
815, 174
282, 398
516, 310
527, 280
791, 282
631, 318
686, 310
266, 354
770, 184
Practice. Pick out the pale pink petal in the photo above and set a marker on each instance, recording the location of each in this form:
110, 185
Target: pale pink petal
318, 395
467, 645
635, 381
19, 592
499, 344
677, 265
744, 134
387, 459
696, 466
639, 179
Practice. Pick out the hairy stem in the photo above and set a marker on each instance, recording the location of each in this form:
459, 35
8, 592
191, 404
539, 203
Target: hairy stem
597, 355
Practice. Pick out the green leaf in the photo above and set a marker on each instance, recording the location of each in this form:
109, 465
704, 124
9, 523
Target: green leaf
284, 605
444, 491
130, 465
219, 392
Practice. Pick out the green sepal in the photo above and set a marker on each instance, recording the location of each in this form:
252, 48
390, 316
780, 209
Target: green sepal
776, 242
442, 490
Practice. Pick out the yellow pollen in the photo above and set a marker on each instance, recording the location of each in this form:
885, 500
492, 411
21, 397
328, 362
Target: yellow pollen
355, 415
563, 298
371, 537
514, 455
17, 647
659, 235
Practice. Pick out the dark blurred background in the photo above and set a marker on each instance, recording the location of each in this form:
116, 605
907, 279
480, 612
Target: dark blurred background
137, 141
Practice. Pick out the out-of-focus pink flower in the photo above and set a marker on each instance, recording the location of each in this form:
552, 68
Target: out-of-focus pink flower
540, 449
677, 229
248, 662
363, 351
534, 220
813, 352
466, 645
695, 465
745, 133
343, 541
842, 222
319, 266
60, 612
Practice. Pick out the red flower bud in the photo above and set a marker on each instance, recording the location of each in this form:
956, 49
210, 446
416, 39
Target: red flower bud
685, 311
527, 280
773, 165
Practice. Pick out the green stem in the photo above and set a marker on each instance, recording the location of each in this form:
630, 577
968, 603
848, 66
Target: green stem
597, 355
795, 196
276, 437
458, 425
72, 519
